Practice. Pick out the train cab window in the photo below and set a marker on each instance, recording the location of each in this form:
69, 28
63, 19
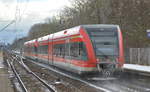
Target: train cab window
105, 41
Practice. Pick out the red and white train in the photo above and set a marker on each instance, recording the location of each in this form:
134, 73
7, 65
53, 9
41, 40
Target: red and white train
82, 49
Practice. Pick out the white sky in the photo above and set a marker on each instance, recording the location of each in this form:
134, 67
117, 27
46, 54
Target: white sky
28, 12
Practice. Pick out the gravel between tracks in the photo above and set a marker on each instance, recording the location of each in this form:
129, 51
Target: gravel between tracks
65, 84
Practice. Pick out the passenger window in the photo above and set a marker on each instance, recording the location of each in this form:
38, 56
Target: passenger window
67, 50
78, 51
59, 50
42, 49
74, 50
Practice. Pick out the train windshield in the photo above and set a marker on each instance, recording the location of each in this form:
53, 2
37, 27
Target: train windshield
105, 41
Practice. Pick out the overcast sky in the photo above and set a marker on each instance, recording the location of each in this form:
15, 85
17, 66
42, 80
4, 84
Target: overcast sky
28, 12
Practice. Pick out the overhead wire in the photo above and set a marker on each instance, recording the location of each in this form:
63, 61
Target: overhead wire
12, 21
7, 25
16, 18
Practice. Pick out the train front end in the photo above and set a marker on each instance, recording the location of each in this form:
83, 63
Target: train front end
107, 46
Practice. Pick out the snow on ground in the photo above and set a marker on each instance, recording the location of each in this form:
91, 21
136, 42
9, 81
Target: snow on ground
1, 61
140, 68
1, 65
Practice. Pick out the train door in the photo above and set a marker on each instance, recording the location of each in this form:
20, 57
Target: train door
36, 50
50, 52
51, 44
67, 52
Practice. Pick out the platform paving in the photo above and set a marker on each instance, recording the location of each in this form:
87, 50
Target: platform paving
5, 83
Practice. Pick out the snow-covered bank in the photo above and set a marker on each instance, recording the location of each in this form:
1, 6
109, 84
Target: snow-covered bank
135, 67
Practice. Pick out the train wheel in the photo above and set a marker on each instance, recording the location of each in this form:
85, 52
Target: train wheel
107, 73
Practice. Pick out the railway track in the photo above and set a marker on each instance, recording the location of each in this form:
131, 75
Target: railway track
18, 77
50, 87
28, 80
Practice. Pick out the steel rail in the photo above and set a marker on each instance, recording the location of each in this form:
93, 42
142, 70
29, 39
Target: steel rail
18, 77
36, 76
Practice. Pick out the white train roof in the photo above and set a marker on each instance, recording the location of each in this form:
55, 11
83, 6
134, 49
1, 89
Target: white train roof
63, 33
43, 38
30, 42
67, 32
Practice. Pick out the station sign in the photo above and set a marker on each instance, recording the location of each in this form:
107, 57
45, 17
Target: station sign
148, 33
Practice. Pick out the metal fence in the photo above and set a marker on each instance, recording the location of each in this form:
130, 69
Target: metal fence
137, 56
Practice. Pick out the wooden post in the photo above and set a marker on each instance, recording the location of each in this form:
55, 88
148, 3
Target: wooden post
130, 54
139, 54
148, 56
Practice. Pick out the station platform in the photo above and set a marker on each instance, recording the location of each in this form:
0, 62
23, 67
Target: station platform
135, 68
5, 83
140, 68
